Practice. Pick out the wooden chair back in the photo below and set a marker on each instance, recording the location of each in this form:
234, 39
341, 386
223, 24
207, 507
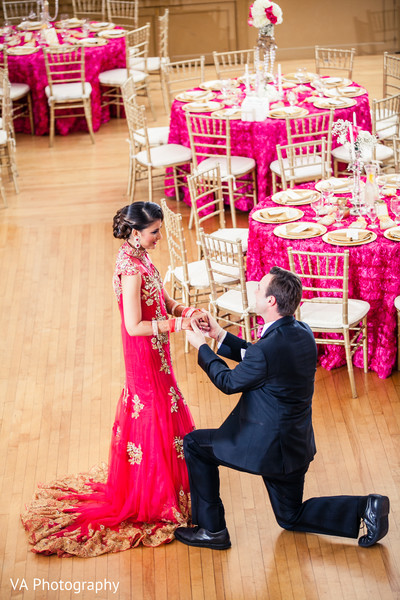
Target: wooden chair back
89, 9
334, 59
233, 63
386, 116
181, 75
305, 154
163, 32
176, 242
123, 12
391, 74
209, 137
64, 64
16, 11
206, 198
137, 48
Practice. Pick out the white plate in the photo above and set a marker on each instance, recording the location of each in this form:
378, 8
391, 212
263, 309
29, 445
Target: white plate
275, 214
112, 33
388, 234
202, 106
195, 95
306, 230
349, 241
341, 185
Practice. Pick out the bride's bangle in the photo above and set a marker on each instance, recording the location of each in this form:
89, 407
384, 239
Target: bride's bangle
188, 311
174, 305
154, 325
178, 324
173, 313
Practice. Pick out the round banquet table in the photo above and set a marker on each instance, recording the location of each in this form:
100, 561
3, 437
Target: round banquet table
373, 276
258, 140
31, 69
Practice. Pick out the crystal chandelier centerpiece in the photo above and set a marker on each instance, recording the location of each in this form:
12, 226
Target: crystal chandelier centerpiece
264, 15
45, 16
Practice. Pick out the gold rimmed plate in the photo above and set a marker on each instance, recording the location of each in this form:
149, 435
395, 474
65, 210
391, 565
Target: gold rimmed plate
69, 23
299, 231
100, 26
336, 81
298, 79
392, 180
295, 197
22, 50
92, 42
202, 107
336, 102
112, 34
195, 96
216, 85
341, 185
275, 214
30, 25
392, 234
282, 112
347, 92
228, 113
341, 237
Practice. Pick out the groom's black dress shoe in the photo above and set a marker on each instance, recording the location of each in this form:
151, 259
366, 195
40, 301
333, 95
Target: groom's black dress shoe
197, 536
376, 520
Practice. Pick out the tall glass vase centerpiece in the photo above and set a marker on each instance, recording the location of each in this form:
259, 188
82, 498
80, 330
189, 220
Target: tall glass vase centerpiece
360, 144
264, 15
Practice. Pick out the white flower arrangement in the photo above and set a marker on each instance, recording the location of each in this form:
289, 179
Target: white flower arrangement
264, 12
359, 141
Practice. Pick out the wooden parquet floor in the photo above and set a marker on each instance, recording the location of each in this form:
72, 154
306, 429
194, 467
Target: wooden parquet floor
61, 372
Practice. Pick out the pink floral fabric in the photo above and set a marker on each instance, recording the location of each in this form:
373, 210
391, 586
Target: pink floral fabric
258, 140
31, 69
373, 277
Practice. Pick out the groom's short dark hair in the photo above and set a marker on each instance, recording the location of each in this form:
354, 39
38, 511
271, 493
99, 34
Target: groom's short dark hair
286, 288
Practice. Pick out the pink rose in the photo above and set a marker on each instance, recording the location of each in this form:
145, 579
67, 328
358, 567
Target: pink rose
270, 15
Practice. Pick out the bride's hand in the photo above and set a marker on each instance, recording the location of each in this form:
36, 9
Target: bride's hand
186, 325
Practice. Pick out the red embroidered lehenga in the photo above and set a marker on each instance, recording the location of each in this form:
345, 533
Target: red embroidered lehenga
143, 496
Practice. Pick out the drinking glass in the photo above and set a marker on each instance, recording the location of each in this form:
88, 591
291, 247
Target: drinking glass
372, 214
381, 180
301, 74
85, 27
63, 22
317, 207
327, 191
395, 207
340, 211
291, 97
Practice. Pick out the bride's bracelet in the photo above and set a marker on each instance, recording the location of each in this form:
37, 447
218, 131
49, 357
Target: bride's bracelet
154, 325
188, 311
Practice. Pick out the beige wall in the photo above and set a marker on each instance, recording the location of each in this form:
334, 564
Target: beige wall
201, 26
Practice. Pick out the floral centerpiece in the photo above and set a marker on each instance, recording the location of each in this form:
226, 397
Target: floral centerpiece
265, 14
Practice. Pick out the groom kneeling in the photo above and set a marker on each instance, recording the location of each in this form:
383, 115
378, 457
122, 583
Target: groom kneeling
270, 431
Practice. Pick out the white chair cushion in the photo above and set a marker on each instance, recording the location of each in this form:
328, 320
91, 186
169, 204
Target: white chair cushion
239, 165
156, 135
68, 91
19, 90
233, 234
166, 155
198, 274
329, 316
3, 137
397, 302
301, 171
119, 76
232, 299
342, 153
153, 63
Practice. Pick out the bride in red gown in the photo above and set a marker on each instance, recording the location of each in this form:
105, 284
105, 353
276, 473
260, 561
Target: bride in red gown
143, 495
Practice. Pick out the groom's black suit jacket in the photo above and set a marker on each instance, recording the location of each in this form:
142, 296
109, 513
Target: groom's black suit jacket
269, 432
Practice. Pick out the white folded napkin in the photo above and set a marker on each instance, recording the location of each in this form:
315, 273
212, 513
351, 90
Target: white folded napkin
334, 102
293, 195
300, 228
291, 109
352, 234
275, 210
349, 88
333, 79
231, 111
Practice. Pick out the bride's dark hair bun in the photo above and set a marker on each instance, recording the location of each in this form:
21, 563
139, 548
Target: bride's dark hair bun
137, 215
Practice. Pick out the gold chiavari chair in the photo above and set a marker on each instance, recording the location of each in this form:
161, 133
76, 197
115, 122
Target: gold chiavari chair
137, 49
16, 10
148, 161
391, 74
315, 126
89, 9
302, 162
20, 93
7, 139
396, 151
236, 306
189, 280
67, 89
210, 142
123, 12
179, 76
326, 306
207, 206
232, 64
333, 59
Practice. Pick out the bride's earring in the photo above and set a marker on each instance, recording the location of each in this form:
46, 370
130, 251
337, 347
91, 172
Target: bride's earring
136, 242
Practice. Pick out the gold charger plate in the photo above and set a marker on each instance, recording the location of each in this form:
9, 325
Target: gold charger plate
215, 85
96, 26
202, 107
305, 197
339, 237
330, 102
30, 25
69, 23
281, 113
292, 77
347, 92
92, 42
341, 185
288, 231
392, 180
22, 50
393, 238
335, 81
195, 96
112, 34
270, 215
226, 113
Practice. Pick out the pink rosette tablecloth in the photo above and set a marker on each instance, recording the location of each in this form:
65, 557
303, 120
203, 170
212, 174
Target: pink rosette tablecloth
373, 277
258, 140
31, 69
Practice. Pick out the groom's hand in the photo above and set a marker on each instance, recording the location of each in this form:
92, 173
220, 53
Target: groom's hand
195, 337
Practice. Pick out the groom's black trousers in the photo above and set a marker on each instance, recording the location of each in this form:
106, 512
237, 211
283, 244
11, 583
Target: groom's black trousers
331, 515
